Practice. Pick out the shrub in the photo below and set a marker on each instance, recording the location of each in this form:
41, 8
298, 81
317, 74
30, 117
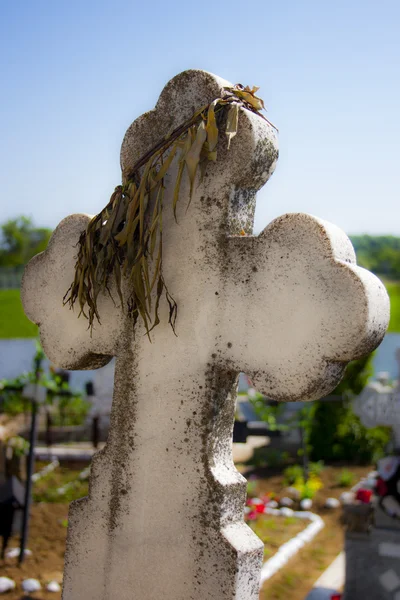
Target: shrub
12, 403
251, 489
336, 433
269, 457
71, 411
292, 474
18, 446
309, 488
345, 478
316, 468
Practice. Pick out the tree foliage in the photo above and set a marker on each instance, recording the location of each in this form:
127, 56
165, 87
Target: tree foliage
20, 240
379, 254
335, 432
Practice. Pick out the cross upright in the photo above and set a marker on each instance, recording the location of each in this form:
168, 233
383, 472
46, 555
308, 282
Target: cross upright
164, 515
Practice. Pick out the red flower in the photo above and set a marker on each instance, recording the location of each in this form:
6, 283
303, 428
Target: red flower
381, 487
260, 508
364, 496
252, 515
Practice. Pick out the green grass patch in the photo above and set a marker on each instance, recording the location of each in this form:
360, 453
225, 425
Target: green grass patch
13, 322
393, 288
275, 531
45, 490
345, 478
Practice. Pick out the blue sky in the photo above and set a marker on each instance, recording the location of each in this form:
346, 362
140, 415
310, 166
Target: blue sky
75, 74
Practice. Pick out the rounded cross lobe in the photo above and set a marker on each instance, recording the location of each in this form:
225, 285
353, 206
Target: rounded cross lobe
66, 339
305, 308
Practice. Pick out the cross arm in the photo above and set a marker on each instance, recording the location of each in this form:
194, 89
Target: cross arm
303, 308
65, 338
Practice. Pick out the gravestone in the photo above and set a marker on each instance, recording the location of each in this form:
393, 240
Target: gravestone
373, 551
379, 404
164, 515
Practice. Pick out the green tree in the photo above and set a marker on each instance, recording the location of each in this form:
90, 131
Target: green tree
380, 254
20, 240
335, 432
332, 430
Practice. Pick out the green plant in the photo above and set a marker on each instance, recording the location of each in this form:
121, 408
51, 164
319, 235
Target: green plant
72, 410
345, 478
267, 411
268, 457
336, 433
316, 468
72, 407
62, 485
308, 489
292, 474
18, 445
251, 489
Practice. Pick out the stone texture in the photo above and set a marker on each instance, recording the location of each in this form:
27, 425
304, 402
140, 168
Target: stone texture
164, 516
370, 572
379, 404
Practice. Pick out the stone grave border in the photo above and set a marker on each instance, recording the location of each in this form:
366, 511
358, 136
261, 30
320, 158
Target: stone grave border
82, 476
290, 548
46, 470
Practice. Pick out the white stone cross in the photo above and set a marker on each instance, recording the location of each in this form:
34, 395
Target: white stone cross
164, 515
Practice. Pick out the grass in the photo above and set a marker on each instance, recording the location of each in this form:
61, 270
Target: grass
345, 478
393, 288
13, 322
275, 531
45, 490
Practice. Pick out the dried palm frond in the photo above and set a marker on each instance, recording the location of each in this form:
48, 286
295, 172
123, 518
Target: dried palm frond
124, 239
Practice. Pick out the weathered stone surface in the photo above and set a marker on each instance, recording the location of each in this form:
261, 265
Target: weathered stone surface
372, 565
358, 518
164, 516
379, 404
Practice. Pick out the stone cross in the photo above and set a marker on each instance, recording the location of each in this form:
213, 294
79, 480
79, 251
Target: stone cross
164, 515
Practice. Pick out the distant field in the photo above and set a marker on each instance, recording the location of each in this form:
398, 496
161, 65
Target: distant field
393, 288
13, 322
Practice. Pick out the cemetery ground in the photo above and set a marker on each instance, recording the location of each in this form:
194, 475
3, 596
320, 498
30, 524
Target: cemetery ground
295, 580
48, 529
